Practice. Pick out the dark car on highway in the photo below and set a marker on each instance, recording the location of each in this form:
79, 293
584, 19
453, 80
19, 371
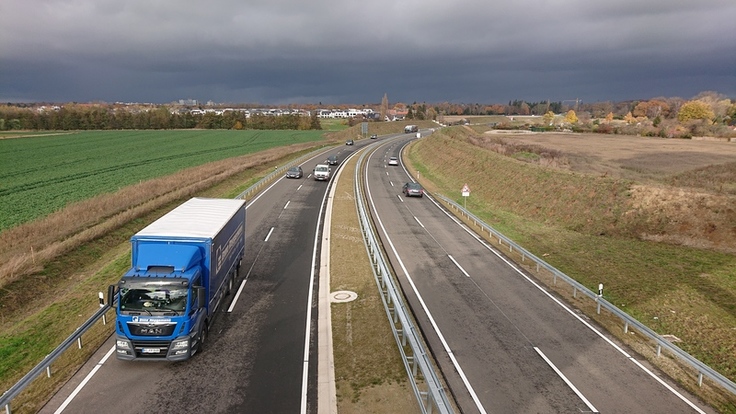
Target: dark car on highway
332, 160
295, 172
413, 190
349, 142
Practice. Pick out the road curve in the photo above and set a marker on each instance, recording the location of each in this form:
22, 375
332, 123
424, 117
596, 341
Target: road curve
503, 342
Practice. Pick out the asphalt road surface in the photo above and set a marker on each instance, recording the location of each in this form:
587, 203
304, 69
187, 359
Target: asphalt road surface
503, 342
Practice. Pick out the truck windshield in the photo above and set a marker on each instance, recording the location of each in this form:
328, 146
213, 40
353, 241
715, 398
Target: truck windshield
150, 298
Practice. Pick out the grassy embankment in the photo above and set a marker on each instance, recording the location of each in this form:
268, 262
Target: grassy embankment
584, 226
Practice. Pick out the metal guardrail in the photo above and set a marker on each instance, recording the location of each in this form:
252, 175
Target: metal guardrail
699, 366
45, 364
427, 387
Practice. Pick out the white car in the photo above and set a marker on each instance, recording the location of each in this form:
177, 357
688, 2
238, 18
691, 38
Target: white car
393, 161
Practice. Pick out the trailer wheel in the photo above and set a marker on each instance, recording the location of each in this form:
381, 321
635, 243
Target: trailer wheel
230, 284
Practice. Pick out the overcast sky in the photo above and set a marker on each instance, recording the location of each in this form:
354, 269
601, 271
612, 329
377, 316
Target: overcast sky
346, 51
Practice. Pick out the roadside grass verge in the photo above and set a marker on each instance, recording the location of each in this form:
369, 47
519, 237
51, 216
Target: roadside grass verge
579, 224
370, 376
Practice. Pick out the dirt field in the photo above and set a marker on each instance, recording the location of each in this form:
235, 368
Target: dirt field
631, 157
688, 184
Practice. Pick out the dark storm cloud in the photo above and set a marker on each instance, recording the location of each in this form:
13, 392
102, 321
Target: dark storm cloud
353, 52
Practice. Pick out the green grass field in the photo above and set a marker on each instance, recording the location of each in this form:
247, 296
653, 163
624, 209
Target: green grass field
42, 174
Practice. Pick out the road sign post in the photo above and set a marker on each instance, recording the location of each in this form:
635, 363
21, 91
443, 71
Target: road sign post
466, 194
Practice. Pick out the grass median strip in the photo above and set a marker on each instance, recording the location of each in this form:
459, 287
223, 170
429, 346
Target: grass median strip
370, 376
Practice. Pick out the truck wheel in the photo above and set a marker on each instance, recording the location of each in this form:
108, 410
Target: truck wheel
202, 337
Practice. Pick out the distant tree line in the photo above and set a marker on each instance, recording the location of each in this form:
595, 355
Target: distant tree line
99, 117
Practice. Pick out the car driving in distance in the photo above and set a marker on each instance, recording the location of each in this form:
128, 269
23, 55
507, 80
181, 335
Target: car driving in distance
374, 136
322, 172
412, 190
295, 172
332, 160
393, 161
349, 142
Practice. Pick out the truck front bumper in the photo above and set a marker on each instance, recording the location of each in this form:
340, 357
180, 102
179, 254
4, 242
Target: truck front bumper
179, 349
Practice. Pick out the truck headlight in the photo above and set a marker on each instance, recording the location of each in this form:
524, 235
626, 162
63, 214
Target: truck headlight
180, 344
123, 344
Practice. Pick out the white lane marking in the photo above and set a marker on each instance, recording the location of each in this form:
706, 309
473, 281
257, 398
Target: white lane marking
400, 198
86, 379
268, 236
300, 187
568, 310
567, 381
392, 183
237, 296
436, 328
458, 265
287, 204
420, 223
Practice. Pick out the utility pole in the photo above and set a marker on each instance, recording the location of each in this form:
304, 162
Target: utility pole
576, 100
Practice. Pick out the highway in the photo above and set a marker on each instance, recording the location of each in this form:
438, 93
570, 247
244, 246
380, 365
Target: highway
503, 342
254, 360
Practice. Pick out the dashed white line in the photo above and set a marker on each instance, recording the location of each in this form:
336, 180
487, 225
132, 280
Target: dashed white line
237, 296
567, 381
420, 223
287, 204
269, 234
458, 265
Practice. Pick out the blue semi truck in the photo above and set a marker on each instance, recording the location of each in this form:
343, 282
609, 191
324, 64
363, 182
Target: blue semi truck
183, 265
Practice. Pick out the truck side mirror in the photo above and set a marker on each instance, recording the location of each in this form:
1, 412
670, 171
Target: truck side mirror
111, 295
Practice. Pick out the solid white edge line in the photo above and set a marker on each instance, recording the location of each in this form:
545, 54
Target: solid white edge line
570, 311
86, 379
307, 339
567, 381
237, 296
268, 236
458, 265
436, 328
